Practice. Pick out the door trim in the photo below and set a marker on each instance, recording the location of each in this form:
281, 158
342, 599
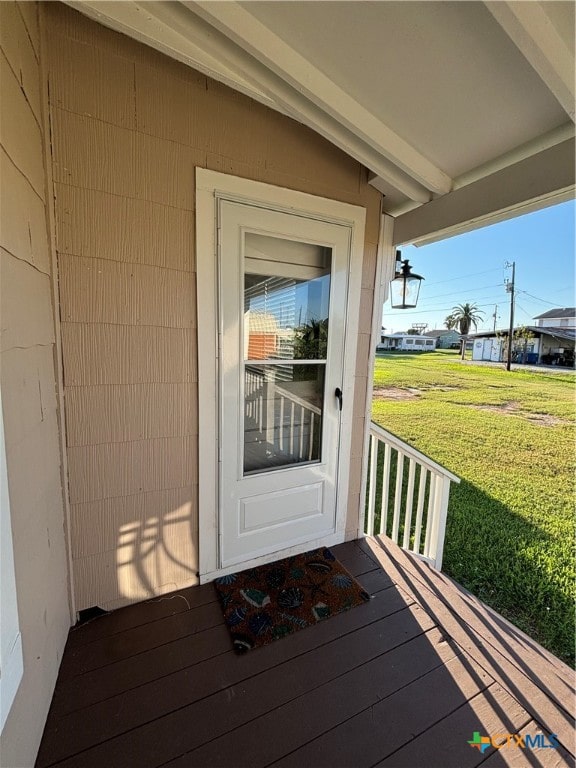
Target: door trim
211, 187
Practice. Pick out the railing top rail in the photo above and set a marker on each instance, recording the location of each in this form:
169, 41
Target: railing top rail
298, 400
408, 450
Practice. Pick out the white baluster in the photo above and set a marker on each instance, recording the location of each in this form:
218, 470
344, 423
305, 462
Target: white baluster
439, 527
409, 503
301, 442
398, 496
372, 492
420, 509
385, 488
311, 440
431, 512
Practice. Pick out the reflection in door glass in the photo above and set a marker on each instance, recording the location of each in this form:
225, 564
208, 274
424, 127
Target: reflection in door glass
282, 415
286, 299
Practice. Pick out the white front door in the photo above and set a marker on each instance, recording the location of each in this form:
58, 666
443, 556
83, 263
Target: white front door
283, 283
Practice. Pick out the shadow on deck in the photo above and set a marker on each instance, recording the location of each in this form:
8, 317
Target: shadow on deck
404, 680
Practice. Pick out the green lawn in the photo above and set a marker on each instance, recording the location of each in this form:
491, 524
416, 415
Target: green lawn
510, 437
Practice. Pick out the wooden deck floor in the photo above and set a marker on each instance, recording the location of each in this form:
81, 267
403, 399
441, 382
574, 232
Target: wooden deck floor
404, 680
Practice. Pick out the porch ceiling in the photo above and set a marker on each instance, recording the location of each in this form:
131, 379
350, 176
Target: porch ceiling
462, 111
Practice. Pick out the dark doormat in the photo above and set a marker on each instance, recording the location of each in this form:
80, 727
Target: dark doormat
274, 600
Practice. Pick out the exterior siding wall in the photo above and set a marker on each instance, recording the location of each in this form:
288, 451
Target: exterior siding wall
28, 384
557, 322
129, 127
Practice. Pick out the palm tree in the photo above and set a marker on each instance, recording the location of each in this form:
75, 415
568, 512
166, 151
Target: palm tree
463, 316
311, 340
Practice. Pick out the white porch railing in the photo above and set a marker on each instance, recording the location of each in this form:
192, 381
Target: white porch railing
411, 508
284, 420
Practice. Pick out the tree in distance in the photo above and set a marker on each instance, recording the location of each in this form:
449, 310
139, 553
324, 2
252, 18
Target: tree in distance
462, 317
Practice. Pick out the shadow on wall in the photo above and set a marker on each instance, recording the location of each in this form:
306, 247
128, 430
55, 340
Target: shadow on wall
151, 554
132, 548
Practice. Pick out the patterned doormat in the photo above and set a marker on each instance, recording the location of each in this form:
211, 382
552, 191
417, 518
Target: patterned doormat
272, 601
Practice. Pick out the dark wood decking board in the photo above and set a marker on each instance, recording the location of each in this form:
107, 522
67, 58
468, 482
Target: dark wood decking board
446, 742
157, 684
146, 702
520, 648
544, 687
122, 645
79, 692
131, 616
117, 675
203, 694
82, 690
387, 725
305, 717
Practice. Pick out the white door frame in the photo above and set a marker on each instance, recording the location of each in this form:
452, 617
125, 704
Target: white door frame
211, 187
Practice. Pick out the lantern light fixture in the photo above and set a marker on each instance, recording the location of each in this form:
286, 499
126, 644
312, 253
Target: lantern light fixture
405, 286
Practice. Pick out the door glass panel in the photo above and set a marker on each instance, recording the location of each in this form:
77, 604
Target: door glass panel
286, 303
286, 311
282, 415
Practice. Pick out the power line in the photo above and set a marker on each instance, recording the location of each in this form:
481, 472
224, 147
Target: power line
463, 277
480, 298
436, 309
528, 314
467, 290
552, 304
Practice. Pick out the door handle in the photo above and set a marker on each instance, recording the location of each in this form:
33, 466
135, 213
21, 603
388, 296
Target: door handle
338, 394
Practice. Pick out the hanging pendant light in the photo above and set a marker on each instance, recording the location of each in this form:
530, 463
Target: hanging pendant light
405, 286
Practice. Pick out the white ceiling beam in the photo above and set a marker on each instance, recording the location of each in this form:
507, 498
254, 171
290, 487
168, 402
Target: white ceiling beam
530, 148
276, 55
529, 27
535, 182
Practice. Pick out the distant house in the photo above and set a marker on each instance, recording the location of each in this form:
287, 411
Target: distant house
549, 345
557, 318
445, 339
406, 342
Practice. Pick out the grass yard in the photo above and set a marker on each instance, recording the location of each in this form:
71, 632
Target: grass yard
510, 437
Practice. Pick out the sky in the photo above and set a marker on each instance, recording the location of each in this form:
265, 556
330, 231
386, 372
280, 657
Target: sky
471, 268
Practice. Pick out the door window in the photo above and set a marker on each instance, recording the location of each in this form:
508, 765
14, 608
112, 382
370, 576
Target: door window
285, 347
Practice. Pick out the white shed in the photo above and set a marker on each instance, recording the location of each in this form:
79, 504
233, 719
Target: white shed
488, 349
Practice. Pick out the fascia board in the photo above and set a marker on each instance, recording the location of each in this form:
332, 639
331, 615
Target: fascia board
540, 180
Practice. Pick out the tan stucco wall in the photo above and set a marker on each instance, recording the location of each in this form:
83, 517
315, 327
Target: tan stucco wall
129, 127
28, 384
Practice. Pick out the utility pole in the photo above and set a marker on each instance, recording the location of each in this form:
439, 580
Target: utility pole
510, 290
495, 315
